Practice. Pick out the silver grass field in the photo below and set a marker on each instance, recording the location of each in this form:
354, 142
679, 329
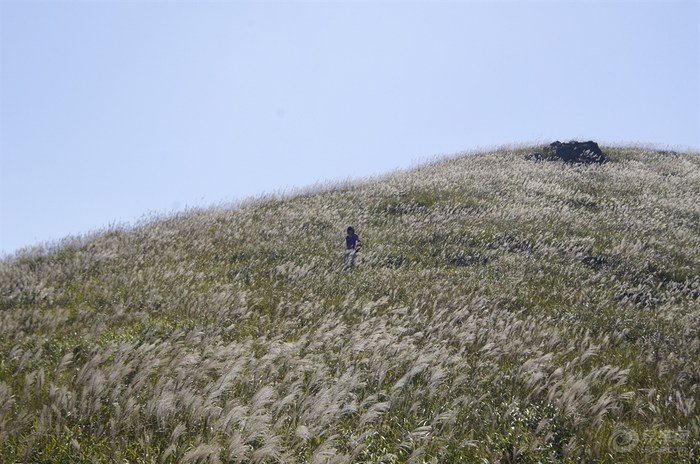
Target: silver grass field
501, 311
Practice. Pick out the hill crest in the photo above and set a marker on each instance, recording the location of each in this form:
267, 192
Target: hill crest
501, 309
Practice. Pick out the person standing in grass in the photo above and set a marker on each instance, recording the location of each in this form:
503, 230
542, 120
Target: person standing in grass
352, 246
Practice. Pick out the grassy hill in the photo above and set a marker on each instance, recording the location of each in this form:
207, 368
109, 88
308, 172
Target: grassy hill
502, 310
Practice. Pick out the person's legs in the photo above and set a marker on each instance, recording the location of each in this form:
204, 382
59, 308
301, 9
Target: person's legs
350, 256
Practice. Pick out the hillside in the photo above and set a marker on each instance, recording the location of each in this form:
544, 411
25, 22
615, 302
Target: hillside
502, 310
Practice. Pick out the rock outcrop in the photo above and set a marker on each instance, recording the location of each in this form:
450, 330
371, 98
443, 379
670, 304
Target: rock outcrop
571, 152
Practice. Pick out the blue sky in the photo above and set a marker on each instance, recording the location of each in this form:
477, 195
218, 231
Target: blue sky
115, 110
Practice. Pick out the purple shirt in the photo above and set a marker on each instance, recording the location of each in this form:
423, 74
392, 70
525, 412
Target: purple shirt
351, 241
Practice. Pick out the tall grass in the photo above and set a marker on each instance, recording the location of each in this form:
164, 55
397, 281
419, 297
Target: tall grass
502, 310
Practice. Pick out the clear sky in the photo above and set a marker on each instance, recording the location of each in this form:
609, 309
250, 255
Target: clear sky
113, 110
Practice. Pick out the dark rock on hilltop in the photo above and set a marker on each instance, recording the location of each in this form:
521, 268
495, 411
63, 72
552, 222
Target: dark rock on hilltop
571, 152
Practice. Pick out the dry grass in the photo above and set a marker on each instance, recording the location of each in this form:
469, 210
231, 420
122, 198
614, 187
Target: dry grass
502, 311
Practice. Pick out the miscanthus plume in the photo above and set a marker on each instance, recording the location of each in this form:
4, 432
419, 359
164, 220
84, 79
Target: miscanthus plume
501, 310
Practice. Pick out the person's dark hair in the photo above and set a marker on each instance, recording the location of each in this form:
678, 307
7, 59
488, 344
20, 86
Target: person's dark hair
351, 231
